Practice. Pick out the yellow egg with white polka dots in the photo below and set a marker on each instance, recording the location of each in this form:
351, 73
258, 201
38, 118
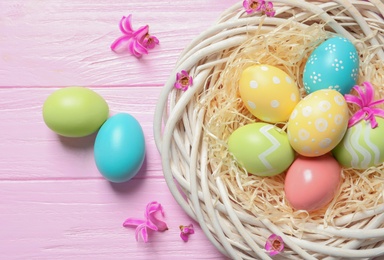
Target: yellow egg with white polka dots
318, 123
269, 93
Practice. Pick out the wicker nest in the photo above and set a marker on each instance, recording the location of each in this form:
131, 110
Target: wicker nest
238, 211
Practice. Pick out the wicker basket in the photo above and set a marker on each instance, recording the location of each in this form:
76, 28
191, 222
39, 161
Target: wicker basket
179, 132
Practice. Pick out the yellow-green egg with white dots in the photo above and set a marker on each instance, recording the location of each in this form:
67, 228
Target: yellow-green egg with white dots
268, 92
318, 123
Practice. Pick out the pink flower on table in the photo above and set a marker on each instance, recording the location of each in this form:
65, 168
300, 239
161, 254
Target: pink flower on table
186, 231
267, 9
252, 6
274, 245
150, 221
183, 80
138, 41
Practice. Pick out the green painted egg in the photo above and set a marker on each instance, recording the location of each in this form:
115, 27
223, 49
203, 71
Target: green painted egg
75, 111
362, 146
262, 149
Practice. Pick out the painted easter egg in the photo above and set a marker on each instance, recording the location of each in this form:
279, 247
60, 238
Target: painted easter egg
318, 123
362, 145
119, 148
311, 183
269, 93
334, 64
75, 111
262, 149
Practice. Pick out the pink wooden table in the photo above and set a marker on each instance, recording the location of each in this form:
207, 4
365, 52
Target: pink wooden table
54, 204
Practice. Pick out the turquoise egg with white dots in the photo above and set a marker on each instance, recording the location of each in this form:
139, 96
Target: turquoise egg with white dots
334, 64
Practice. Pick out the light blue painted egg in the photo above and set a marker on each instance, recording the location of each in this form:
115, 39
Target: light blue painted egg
334, 64
119, 148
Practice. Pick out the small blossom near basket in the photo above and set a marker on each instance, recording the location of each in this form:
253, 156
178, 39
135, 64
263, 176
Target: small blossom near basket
240, 212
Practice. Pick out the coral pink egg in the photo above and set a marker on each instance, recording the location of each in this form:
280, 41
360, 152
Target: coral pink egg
312, 182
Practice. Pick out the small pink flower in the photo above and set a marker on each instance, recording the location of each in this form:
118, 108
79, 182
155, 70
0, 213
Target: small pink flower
183, 80
186, 231
365, 101
150, 221
138, 42
267, 9
274, 245
252, 6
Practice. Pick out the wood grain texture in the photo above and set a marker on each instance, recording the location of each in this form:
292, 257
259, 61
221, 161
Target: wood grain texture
54, 204
83, 220
61, 43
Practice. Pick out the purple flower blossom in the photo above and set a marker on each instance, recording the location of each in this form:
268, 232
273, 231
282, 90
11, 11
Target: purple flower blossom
366, 103
252, 6
138, 42
186, 231
150, 221
267, 9
274, 245
183, 80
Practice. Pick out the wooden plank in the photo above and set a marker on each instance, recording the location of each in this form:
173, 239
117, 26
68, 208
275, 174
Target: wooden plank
63, 43
83, 220
53, 202
25, 137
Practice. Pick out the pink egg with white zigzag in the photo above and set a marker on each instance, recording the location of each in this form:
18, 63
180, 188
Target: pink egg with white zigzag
261, 148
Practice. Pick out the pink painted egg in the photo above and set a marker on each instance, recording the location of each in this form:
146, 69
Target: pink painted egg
312, 182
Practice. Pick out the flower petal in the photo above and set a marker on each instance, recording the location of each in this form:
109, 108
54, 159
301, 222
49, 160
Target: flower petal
191, 231
369, 95
179, 76
357, 117
353, 99
131, 48
119, 41
152, 226
140, 48
144, 234
150, 214
190, 81
136, 49
133, 222
178, 85
184, 73
184, 237
246, 4
161, 225
139, 230
150, 42
128, 24
153, 207
141, 33
122, 25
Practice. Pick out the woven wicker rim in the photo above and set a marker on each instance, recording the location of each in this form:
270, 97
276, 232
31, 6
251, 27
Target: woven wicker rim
178, 131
